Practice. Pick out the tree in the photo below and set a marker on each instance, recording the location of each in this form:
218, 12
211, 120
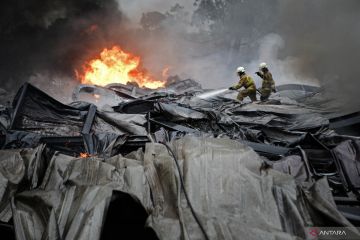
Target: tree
152, 20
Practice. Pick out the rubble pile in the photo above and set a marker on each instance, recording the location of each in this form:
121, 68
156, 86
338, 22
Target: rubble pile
176, 163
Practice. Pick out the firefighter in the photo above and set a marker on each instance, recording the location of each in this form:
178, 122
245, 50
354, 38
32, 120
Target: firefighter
248, 83
268, 84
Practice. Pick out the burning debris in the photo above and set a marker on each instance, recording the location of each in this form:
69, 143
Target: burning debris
84, 155
158, 152
117, 66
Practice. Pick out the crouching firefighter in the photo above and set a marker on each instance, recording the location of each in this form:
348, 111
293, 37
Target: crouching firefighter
268, 84
247, 83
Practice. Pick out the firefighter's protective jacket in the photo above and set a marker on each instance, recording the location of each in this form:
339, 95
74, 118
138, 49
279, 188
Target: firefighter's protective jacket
247, 82
268, 83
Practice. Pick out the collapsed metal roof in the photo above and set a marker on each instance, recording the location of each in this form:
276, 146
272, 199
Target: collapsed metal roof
175, 165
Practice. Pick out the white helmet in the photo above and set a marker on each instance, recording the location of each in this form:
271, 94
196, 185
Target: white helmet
262, 65
240, 70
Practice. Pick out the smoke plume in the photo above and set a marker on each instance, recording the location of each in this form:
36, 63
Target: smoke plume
52, 37
325, 36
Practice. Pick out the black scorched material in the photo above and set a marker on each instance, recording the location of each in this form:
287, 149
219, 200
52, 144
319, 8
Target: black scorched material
250, 171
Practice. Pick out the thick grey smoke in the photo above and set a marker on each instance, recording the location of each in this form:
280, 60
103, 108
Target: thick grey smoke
325, 36
311, 42
208, 41
53, 37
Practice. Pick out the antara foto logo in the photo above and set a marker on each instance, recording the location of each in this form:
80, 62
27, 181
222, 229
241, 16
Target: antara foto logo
315, 233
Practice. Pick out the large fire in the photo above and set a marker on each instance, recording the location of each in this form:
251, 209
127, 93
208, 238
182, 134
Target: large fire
117, 66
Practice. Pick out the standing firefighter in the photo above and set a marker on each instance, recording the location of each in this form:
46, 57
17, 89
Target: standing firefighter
248, 83
268, 84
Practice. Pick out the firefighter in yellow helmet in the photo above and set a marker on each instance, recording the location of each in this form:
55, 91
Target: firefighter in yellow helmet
247, 83
268, 84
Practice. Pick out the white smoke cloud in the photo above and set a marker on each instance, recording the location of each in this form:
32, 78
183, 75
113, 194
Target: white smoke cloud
200, 57
282, 69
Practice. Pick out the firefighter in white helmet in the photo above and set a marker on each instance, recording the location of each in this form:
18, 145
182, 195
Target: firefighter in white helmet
247, 83
268, 84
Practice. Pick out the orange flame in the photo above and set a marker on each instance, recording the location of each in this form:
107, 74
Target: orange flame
117, 66
84, 155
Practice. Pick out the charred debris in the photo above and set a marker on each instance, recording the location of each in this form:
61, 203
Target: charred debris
176, 162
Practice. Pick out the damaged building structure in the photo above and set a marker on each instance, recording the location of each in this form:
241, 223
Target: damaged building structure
176, 163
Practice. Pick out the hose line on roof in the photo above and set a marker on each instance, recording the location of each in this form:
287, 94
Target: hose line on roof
185, 193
